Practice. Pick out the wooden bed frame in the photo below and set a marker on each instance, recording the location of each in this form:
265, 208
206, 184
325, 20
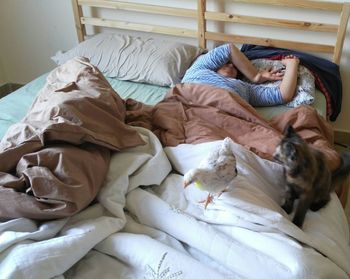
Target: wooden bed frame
201, 15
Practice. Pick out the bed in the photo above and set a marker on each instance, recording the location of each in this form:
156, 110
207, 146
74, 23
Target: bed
106, 199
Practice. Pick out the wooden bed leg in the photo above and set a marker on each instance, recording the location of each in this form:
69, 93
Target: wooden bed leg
343, 192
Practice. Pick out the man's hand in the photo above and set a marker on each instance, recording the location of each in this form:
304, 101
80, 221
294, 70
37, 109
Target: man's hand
268, 75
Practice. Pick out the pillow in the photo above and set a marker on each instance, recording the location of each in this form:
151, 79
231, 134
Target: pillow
305, 90
147, 60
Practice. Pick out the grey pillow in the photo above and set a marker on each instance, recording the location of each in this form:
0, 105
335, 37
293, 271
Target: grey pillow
146, 60
305, 90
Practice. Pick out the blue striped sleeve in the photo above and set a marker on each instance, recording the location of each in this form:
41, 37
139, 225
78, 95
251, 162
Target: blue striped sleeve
214, 59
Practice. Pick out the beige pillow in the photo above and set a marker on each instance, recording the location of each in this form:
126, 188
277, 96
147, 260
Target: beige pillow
146, 60
305, 89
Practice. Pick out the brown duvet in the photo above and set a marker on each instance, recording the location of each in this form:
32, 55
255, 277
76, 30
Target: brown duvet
195, 113
53, 163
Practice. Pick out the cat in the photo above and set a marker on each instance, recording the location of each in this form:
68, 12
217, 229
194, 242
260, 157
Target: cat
307, 175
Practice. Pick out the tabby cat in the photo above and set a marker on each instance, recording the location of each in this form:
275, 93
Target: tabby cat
308, 177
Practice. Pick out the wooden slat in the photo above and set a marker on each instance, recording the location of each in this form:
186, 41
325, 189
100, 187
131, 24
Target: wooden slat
201, 6
305, 4
281, 23
222, 37
78, 13
182, 32
341, 33
152, 9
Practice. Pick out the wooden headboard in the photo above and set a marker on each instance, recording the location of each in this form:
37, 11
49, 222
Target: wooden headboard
203, 15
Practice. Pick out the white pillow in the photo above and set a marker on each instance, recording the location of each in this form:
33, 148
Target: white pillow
148, 60
305, 90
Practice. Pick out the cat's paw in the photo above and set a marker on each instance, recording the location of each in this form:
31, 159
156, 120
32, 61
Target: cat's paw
288, 207
298, 221
315, 206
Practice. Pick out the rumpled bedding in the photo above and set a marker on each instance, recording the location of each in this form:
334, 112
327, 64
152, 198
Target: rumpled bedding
145, 225
54, 162
197, 113
142, 223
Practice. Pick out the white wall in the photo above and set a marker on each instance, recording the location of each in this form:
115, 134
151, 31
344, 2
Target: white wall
33, 30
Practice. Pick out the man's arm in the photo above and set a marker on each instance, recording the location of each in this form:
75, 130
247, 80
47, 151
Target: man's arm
214, 58
242, 63
289, 81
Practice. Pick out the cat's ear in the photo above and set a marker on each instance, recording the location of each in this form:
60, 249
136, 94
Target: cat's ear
291, 151
289, 131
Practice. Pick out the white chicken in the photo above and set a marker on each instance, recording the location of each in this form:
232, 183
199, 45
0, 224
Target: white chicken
215, 172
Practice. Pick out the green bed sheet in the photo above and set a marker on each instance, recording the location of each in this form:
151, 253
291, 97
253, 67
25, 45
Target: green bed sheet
14, 106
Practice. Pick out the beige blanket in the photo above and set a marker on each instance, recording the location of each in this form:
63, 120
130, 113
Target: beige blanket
53, 163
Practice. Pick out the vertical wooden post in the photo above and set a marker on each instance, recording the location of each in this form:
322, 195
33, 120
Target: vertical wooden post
343, 192
201, 8
341, 32
78, 13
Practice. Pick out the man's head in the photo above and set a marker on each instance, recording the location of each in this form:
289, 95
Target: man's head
228, 70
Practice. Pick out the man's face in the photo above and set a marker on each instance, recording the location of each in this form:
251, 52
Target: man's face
228, 70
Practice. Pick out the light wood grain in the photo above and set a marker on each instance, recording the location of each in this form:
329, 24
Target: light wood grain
263, 21
341, 33
239, 39
78, 13
182, 32
201, 6
303, 4
153, 9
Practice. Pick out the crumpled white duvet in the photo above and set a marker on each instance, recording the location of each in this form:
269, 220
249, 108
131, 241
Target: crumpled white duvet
145, 225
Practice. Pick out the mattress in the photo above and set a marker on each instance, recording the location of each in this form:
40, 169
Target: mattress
14, 106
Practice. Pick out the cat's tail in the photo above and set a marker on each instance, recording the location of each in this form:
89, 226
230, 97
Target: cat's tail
340, 174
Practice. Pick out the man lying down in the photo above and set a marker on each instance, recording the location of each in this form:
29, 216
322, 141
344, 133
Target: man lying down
222, 66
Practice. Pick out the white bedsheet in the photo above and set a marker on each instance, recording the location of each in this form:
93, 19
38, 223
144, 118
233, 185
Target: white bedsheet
145, 225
